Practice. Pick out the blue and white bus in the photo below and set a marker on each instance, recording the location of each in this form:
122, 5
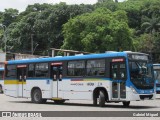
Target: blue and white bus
108, 77
1, 80
156, 68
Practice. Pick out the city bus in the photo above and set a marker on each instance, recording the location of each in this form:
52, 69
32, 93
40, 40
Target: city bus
156, 68
105, 77
1, 79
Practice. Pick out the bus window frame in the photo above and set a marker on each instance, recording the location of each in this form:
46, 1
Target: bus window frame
6, 73
69, 76
96, 67
106, 74
47, 69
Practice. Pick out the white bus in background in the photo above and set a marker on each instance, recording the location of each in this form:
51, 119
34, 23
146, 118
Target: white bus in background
2, 59
156, 68
1, 80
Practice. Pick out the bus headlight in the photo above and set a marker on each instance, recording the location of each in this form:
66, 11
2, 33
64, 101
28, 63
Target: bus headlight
133, 90
151, 91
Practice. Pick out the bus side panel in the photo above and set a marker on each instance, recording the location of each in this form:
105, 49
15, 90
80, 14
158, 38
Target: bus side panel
44, 85
83, 89
2, 84
11, 90
76, 90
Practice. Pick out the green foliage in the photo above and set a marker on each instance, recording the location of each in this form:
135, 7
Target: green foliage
9, 16
151, 25
144, 43
42, 24
98, 31
106, 25
109, 4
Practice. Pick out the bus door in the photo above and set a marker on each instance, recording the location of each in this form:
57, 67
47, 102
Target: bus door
21, 76
56, 75
118, 75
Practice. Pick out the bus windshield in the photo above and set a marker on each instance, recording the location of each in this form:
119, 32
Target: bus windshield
141, 74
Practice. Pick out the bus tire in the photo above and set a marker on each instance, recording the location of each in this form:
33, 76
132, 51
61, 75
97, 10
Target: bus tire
1, 89
126, 103
95, 101
59, 101
101, 98
37, 97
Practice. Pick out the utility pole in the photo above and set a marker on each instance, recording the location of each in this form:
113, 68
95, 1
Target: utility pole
32, 44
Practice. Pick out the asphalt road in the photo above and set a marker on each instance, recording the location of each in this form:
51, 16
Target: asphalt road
21, 104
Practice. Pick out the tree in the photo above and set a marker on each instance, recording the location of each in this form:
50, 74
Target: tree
151, 25
109, 4
99, 31
9, 16
42, 24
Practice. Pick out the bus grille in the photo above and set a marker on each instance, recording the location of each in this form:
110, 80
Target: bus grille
145, 96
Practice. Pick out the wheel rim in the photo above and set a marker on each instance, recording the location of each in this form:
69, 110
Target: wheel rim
36, 96
101, 100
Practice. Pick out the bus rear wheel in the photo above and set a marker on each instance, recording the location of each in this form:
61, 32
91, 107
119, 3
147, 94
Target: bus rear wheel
126, 103
37, 97
1, 90
95, 101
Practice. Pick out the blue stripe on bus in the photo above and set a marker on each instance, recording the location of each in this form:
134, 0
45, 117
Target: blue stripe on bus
80, 57
70, 79
85, 79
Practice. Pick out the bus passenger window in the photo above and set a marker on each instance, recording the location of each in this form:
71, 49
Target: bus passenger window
31, 70
41, 70
76, 68
96, 67
11, 71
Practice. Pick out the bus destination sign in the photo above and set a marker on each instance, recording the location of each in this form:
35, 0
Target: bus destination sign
138, 57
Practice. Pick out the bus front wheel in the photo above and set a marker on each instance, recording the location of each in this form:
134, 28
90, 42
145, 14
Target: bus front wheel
101, 98
37, 97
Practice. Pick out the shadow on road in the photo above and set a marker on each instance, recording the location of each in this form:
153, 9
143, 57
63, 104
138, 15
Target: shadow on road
107, 105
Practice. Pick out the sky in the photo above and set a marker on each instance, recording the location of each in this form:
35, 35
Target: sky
22, 4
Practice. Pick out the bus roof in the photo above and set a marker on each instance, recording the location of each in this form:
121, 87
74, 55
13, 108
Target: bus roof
78, 57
